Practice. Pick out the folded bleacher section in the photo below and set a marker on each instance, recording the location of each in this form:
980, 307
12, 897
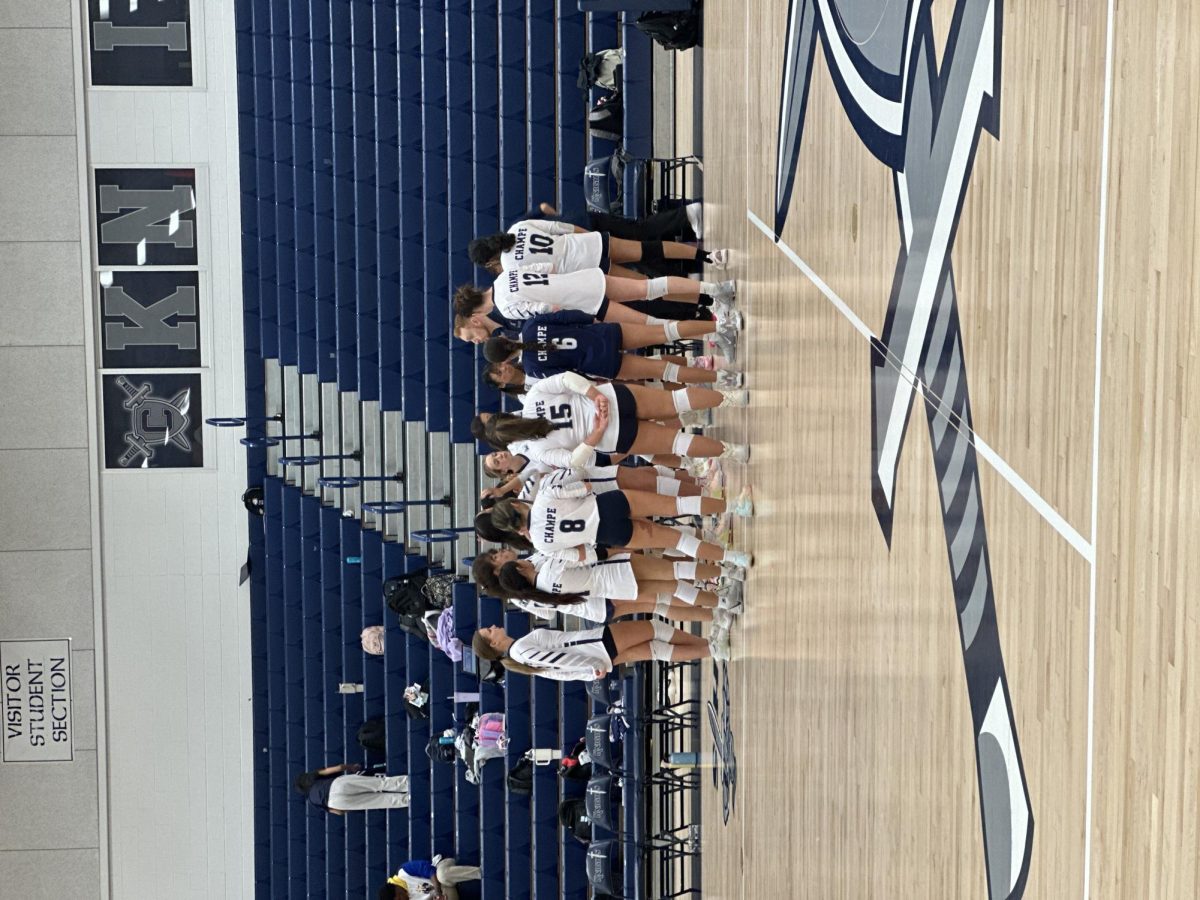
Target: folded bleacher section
376, 139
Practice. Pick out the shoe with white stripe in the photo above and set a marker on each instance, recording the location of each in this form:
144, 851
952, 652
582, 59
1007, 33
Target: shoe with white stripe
736, 452
743, 505
724, 343
718, 259
726, 291
718, 646
727, 318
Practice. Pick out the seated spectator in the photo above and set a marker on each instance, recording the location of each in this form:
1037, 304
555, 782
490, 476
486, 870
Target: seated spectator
338, 789
420, 879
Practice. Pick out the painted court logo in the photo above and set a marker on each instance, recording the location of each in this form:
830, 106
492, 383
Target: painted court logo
923, 121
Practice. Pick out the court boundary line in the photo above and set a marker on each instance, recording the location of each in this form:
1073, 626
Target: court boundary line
1039, 504
1101, 260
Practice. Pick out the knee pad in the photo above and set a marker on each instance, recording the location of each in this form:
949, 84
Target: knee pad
687, 506
662, 607
668, 487
682, 443
687, 592
671, 327
685, 570
662, 631
661, 651
652, 250
688, 545
681, 400
670, 372
655, 288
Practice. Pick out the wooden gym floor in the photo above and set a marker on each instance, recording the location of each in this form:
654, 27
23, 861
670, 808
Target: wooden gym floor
1076, 282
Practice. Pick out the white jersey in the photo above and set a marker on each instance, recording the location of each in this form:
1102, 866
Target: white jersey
563, 655
556, 243
563, 518
600, 478
562, 401
535, 289
610, 579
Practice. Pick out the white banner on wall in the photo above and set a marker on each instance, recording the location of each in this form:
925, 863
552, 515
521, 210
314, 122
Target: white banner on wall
36, 700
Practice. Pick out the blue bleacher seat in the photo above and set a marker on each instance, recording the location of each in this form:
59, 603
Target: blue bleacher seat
376, 140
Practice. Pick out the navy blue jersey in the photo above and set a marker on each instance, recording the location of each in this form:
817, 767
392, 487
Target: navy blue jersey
575, 342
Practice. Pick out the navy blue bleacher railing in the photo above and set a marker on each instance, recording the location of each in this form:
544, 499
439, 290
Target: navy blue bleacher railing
376, 139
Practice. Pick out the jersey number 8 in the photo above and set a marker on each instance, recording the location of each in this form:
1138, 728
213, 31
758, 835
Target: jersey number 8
569, 526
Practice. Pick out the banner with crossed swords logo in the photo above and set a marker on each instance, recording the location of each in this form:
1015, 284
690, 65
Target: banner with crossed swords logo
923, 121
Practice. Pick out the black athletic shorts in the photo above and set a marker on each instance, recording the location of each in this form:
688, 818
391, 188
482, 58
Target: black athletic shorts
616, 527
610, 645
627, 421
605, 262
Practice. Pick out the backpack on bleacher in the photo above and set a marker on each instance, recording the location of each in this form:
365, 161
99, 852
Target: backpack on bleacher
601, 69
520, 777
606, 120
576, 764
417, 593
438, 591
678, 30
373, 735
404, 595
572, 815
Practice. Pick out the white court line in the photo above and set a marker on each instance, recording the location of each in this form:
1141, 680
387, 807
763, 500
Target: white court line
1100, 284
1019, 484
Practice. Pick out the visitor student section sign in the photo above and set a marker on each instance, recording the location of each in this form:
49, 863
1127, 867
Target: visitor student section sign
35, 696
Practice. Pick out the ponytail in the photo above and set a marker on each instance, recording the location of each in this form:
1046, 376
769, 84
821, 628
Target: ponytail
502, 428
484, 650
484, 251
467, 300
500, 349
515, 586
505, 387
489, 532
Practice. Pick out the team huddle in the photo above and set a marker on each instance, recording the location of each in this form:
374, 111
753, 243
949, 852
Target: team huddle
603, 447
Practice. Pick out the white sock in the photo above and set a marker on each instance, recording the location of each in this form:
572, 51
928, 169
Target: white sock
685, 569
655, 288
668, 487
681, 400
709, 287
730, 556
687, 592
688, 545
682, 443
687, 506
672, 329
